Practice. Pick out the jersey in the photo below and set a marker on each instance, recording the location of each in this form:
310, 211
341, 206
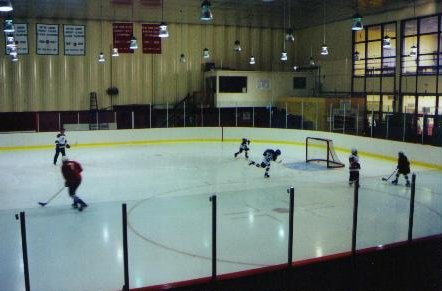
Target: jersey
269, 155
71, 171
244, 145
403, 165
354, 165
61, 141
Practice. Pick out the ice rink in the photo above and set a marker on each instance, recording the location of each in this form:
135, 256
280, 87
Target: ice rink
167, 188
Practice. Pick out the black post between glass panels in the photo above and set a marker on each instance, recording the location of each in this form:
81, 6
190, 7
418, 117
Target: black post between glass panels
125, 251
355, 218
24, 247
291, 192
410, 220
213, 200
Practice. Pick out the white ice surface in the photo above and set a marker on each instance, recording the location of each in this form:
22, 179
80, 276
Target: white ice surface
167, 189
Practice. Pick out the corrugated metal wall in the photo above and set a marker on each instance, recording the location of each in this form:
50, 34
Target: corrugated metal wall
46, 83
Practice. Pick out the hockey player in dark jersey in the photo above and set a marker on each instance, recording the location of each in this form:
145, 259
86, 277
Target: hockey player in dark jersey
269, 156
403, 167
244, 148
354, 167
60, 144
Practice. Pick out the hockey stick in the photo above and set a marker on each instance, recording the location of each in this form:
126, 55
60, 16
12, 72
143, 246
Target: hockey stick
386, 179
52, 197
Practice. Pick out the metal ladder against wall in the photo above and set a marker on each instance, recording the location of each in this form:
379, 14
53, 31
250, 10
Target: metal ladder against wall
93, 111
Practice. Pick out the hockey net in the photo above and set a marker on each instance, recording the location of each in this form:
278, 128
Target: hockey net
321, 150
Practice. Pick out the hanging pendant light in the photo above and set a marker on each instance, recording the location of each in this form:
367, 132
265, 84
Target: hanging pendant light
206, 54
413, 51
295, 68
115, 52
5, 6
183, 58
386, 42
133, 43
13, 51
289, 35
8, 25
14, 58
10, 41
357, 22
163, 30
284, 56
252, 60
324, 48
101, 59
206, 13
163, 26
237, 46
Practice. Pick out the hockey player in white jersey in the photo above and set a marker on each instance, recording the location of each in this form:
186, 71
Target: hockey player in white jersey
60, 144
269, 156
244, 147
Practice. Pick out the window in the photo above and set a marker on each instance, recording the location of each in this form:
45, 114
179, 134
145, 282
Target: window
424, 36
299, 83
232, 84
373, 102
408, 103
373, 56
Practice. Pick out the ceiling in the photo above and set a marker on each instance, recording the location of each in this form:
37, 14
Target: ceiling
261, 13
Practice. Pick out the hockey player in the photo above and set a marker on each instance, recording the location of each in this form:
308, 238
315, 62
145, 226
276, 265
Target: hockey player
60, 144
244, 148
269, 156
353, 167
71, 171
403, 167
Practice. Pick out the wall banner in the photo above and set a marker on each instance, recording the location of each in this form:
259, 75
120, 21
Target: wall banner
47, 39
151, 40
74, 40
122, 33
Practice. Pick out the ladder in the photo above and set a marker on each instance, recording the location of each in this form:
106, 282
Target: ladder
93, 111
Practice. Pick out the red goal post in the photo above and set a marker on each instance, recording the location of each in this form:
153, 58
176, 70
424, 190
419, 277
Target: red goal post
321, 150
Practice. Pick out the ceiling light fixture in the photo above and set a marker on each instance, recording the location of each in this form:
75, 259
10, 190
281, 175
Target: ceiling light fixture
311, 60
413, 48
289, 32
237, 46
206, 13
163, 26
133, 41
183, 58
8, 25
5, 6
283, 53
357, 22
10, 41
252, 60
115, 52
206, 53
324, 48
101, 59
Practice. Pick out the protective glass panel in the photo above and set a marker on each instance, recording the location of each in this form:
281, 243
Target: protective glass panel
390, 30
428, 44
410, 27
387, 103
428, 24
374, 32
359, 36
426, 105
373, 102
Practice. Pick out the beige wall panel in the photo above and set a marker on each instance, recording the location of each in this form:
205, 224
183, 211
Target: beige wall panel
219, 44
266, 48
408, 84
439, 90
388, 84
373, 85
426, 84
358, 84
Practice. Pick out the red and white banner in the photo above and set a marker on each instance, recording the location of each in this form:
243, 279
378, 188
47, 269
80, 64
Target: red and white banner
151, 40
122, 33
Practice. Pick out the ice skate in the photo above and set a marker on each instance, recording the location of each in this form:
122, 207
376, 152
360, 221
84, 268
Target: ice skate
74, 205
394, 182
236, 154
251, 163
266, 175
408, 184
82, 206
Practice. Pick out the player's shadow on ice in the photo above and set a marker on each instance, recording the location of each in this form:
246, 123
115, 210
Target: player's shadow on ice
303, 166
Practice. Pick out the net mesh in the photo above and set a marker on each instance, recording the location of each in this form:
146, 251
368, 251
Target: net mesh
322, 150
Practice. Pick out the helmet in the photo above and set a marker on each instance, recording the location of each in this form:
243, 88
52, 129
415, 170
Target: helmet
278, 152
401, 153
354, 151
65, 159
244, 139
